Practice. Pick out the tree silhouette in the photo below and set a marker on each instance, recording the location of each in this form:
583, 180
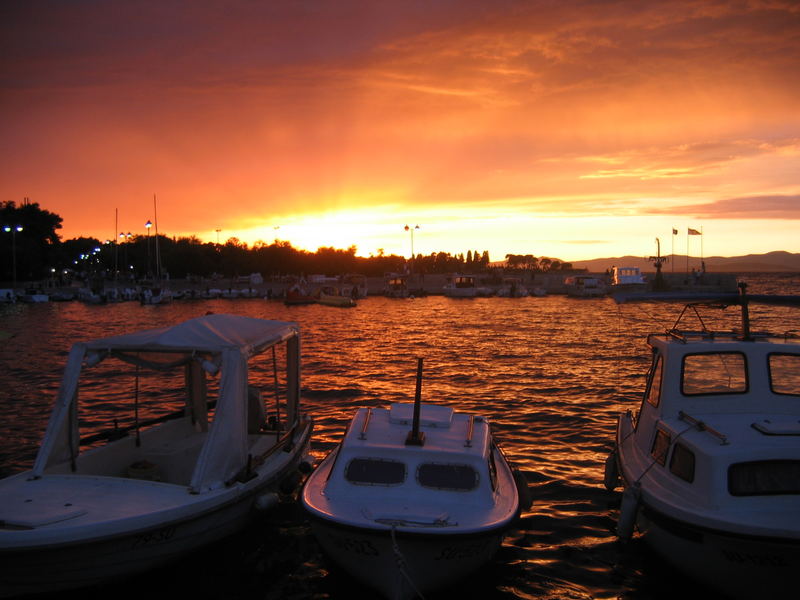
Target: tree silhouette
35, 246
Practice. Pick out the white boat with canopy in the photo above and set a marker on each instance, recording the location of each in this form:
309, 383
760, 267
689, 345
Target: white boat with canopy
152, 489
711, 462
414, 498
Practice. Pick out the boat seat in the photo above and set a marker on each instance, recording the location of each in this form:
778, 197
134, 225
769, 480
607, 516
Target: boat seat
256, 417
173, 461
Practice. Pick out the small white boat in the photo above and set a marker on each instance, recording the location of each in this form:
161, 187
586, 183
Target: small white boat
159, 487
627, 279
464, 286
155, 295
512, 287
414, 498
583, 286
7, 295
711, 461
395, 286
332, 296
33, 296
354, 285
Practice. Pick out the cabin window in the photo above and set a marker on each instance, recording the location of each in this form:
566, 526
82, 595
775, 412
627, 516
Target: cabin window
443, 476
714, 373
660, 446
682, 463
375, 471
764, 478
654, 387
784, 374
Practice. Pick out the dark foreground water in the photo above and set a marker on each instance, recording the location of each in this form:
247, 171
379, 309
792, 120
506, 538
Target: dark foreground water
552, 373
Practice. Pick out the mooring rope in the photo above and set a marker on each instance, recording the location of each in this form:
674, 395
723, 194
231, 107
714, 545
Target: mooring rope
401, 563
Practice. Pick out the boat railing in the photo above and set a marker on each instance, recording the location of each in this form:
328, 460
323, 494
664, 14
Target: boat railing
365, 425
470, 430
702, 426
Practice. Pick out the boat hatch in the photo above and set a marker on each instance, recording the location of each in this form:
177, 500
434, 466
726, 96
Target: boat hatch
770, 427
30, 514
431, 415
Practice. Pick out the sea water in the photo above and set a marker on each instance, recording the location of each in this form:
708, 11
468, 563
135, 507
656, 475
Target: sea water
551, 373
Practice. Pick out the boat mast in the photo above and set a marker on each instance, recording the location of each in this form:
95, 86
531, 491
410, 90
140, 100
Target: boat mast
158, 256
415, 436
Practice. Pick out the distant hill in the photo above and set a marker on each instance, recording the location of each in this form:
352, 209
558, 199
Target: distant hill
771, 262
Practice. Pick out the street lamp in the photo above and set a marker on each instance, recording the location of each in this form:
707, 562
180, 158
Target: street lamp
125, 238
411, 230
13, 231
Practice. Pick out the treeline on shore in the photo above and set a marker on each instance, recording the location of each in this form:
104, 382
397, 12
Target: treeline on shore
36, 251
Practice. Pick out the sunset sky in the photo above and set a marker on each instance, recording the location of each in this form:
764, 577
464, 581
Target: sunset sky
571, 129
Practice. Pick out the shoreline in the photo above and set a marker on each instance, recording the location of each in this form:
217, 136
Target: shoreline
418, 284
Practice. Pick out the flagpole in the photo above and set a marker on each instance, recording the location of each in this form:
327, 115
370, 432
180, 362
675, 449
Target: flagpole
672, 259
687, 251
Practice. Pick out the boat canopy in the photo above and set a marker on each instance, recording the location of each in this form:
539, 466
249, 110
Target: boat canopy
209, 343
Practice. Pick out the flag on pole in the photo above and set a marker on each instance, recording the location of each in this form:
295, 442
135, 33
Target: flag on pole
674, 231
694, 232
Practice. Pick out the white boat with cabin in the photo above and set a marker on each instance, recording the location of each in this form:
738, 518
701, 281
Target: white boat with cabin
414, 498
584, 286
711, 461
147, 491
512, 287
628, 279
354, 285
396, 286
463, 286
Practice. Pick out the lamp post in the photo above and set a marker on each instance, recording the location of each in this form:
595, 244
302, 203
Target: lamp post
411, 231
125, 238
13, 229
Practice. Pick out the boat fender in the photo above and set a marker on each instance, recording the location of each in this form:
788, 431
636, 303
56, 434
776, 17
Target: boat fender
611, 475
524, 492
305, 467
627, 512
266, 501
289, 483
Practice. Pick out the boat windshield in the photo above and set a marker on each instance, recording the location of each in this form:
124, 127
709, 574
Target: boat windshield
784, 373
714, 373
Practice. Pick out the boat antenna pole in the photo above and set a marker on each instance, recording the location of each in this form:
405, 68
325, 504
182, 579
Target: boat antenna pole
136, 407
745, 311
158, 256
415, 436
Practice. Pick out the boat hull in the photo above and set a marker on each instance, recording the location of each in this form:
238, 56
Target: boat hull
409, 564
340, 301
739, 566
40, 568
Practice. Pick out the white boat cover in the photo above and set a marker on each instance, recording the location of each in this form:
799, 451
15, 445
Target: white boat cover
229, 339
